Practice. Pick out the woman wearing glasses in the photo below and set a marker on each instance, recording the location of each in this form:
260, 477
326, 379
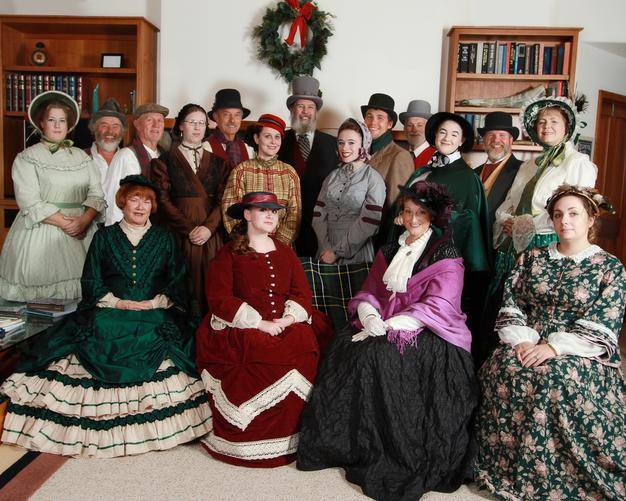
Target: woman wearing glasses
191, 183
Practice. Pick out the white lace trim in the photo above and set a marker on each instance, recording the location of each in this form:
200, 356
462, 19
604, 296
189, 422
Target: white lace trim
588, 324
512, 311
259, 449
241, 416
577, 258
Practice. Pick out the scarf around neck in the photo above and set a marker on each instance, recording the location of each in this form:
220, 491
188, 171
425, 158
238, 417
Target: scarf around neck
54, 146
382, 141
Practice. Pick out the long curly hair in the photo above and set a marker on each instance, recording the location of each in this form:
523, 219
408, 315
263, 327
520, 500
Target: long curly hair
239, 238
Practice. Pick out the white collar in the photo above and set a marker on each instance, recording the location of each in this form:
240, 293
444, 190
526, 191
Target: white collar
401, 267
422, 147
134, 233
554, 253
453, 157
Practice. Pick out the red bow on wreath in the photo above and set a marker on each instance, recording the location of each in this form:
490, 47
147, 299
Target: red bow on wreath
299, 23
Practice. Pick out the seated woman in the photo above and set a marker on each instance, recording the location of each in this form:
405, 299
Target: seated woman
266, 173
396, 391
116, 378
257, 350
350, 203
551, 421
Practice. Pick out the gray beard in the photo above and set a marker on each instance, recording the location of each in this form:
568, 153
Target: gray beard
302, 128
103, 145
493, 160
412, 145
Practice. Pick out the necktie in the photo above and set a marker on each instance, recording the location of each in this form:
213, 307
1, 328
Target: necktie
196, 155
305, 146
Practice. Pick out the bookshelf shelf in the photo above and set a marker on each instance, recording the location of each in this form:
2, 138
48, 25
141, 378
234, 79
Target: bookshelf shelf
492, 76
72, 69
74, 46
551, 63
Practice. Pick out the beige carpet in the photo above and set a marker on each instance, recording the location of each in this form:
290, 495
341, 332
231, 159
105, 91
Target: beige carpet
188, 473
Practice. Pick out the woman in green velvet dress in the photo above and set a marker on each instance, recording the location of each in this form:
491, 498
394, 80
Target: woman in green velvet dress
118, 377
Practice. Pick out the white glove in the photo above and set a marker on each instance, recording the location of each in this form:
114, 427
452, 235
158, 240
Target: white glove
374, 326
360, 336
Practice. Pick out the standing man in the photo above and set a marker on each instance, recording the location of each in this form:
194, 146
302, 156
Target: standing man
392, 162
227, 113
498, 173
312, 153
107, 125
414, 121
149, 125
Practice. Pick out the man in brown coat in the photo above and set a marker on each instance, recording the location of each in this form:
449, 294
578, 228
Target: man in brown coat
392, 162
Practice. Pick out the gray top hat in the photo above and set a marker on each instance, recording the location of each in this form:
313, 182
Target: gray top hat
305, 87
416, 108
110, 108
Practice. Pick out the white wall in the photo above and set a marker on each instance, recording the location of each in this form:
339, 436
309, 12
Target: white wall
399, 49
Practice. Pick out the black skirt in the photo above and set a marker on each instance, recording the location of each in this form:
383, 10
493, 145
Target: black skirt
398, 424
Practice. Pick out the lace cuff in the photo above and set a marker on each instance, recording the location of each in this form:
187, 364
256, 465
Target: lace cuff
516, 334
364, 309
523, 232
568, 343
296, 311
498, 230
108, 301
245, 318
36, 213
161, 301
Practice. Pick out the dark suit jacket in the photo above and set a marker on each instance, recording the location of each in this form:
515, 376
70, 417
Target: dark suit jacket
322, 160
501, 187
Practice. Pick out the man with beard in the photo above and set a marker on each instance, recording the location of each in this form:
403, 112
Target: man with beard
311, 152
227, 113
149, 125
414, 121
498, 173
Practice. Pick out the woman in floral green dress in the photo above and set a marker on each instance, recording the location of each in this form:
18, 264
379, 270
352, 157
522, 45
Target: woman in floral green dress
552, 421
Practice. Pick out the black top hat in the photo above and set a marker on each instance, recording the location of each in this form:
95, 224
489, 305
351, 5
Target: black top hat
265, 199
498, 120
381, 102
438, 118
228, 98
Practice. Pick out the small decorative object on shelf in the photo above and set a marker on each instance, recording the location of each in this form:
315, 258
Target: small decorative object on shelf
112, 60
95, 99
132, 95
39, 57
285, 56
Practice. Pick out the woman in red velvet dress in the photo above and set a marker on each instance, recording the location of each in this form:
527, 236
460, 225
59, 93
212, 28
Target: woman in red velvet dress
257, 349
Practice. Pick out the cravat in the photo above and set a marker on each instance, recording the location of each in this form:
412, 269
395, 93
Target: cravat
305, 146
196, 155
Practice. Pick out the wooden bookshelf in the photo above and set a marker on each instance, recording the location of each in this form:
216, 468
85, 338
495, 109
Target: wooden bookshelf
500, 81
74, 46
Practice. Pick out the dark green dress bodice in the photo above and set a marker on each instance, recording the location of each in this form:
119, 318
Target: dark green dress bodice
123, 346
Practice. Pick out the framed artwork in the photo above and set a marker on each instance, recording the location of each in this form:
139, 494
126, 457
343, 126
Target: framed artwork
585, 145
111, 60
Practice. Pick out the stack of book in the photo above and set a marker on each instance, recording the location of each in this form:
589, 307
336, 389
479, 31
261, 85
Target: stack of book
514, 58
10, 324
50, 308
11, 308
21, 88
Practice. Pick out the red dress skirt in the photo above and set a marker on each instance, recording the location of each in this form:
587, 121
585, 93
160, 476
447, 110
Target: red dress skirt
257, 383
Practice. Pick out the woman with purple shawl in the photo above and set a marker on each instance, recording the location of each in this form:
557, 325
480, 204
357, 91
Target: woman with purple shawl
395, 393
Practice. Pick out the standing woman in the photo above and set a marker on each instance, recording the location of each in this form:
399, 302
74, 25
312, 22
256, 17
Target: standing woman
551, 421
257, 349
59, 193
266, 173
349, 207
191, 184
522, 221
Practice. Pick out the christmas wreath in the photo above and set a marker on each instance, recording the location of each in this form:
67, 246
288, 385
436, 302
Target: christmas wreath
278, 54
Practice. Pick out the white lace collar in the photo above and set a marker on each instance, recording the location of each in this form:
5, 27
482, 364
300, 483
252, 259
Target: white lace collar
401, 267
134, 233
578, 257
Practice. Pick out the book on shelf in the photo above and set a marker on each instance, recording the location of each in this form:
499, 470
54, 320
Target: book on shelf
514, 58
22, 88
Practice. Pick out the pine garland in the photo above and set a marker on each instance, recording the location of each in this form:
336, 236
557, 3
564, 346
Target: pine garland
276, 53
